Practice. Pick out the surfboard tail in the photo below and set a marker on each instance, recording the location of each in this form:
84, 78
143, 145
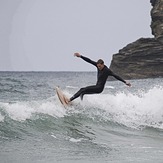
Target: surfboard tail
62, 97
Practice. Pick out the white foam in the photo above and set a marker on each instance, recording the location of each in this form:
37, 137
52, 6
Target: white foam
75, 140
72, 87
110, 87
20, 111
53, 136
130, 109
51, 108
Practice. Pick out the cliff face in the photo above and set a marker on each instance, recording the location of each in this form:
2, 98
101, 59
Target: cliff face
157, 19
144, 57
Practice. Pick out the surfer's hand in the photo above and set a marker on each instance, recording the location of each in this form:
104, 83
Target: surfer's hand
128, 84
77, 54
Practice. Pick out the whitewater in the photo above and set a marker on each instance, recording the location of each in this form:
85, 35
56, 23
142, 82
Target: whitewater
121, 125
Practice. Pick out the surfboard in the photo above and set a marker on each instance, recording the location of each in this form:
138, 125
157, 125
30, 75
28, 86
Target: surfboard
61, 97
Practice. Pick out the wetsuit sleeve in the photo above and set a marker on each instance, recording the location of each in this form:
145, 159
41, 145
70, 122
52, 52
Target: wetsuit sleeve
89, 60
117, 77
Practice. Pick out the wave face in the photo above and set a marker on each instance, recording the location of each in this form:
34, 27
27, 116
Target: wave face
117, 125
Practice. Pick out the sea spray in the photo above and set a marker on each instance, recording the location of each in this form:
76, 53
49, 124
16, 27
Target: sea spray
132, 110
20, 111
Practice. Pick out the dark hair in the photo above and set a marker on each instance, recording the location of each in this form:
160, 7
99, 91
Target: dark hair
100, 61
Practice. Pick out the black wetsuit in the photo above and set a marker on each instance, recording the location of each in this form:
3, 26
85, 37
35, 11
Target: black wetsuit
102, 76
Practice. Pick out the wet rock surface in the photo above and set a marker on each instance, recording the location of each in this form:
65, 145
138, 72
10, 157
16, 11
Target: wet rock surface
144, 57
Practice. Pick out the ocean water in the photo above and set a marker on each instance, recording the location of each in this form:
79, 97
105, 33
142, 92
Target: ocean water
121, 125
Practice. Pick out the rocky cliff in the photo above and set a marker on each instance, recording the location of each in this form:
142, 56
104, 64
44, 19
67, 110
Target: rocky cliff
144, 57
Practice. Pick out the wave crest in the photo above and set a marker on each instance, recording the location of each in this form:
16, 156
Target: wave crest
144, 109
132, 110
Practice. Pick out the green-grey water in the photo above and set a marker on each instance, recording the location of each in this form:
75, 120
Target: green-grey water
121, 125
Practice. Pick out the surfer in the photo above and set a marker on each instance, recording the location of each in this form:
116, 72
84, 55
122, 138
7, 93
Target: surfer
102, 74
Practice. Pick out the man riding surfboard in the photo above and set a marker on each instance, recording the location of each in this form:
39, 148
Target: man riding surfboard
102, 74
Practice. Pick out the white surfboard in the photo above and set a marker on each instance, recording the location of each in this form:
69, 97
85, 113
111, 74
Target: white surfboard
61, 97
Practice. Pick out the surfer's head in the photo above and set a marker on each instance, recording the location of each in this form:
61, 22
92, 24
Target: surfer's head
100, 64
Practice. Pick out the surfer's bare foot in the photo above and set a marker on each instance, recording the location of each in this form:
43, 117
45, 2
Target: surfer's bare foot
67, 100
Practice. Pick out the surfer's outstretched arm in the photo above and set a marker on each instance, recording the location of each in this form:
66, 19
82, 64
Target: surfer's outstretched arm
86, 59
120, 79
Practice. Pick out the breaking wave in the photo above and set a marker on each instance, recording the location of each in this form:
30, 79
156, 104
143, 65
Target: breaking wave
132, 110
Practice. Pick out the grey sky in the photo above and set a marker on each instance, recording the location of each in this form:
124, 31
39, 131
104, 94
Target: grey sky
42, 35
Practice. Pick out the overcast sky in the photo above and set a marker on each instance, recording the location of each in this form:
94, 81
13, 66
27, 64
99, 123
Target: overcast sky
42, 35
